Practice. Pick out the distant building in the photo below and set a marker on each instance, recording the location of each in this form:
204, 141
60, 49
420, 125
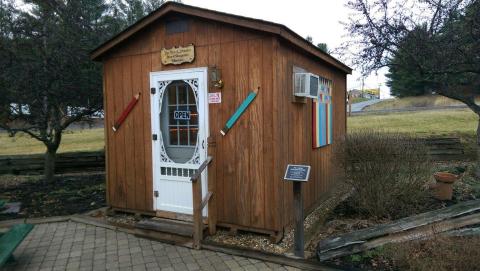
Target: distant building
371, 93
355, 93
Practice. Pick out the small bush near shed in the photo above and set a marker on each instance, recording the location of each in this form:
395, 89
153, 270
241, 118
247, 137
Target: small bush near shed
388, 172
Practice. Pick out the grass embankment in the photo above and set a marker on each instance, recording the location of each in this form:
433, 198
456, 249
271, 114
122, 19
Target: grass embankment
72, 141
460, 123
413, 102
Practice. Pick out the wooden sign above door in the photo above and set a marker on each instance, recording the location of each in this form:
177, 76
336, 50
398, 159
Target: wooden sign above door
178, 55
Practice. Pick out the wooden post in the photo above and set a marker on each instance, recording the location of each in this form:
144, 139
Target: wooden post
298, 209
212, 204
349, 103
197, 213
198, 203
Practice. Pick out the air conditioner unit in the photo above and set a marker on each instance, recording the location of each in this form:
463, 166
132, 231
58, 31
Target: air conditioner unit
306, 85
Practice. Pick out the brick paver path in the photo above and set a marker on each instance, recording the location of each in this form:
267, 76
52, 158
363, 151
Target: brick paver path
77, 246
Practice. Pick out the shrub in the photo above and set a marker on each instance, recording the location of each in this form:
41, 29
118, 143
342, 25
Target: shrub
437, 254
388, 172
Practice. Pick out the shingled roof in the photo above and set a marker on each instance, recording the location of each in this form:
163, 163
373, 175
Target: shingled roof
260, 25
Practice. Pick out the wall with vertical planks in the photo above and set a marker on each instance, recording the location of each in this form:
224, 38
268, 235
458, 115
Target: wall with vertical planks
250, 160
295, 127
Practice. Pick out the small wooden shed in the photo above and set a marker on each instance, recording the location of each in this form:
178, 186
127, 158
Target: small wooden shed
193, 68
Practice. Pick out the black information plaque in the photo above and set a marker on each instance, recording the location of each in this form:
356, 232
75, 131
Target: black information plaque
298, 173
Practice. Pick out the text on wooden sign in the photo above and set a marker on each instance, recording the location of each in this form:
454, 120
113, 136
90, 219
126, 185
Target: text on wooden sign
178, 55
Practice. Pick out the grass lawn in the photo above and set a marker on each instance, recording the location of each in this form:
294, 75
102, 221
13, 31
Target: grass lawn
72, 141
460, 123
412, 102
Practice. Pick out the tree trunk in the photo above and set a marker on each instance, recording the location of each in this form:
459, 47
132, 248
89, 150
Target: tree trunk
477, 170
49, 168
478, 131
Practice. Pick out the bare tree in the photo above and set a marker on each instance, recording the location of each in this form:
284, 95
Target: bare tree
438, 40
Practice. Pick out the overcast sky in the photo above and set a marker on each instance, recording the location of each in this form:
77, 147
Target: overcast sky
320, 19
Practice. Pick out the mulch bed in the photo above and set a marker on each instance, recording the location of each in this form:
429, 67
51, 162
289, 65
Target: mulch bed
65, 195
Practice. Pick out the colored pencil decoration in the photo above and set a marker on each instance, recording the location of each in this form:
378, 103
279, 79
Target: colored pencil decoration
322, 127
125, 112
240, 110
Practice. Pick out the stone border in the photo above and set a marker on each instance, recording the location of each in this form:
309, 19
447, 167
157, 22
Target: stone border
302, 264
42, 220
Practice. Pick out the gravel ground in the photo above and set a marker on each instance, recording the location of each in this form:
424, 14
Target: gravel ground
313, 222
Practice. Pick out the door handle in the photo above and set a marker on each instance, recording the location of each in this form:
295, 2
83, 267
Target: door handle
203, 144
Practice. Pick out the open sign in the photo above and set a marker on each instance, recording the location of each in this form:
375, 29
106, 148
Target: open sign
181, 115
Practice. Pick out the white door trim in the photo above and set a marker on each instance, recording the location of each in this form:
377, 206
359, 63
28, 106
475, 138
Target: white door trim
180, 74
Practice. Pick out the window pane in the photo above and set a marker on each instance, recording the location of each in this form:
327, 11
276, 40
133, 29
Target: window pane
193, 115
182, 94
191, 96
173, 136
171, 119
184, 136
172, 96
193, 136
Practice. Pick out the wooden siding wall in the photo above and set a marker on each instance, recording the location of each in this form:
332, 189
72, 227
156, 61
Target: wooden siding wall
243, 159
249, 161
295, 131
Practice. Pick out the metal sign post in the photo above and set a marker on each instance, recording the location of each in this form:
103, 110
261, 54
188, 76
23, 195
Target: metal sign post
298, 174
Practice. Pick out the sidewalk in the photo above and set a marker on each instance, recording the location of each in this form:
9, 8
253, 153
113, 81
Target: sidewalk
77, 246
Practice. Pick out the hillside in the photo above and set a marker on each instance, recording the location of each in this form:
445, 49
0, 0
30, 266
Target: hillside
414, 102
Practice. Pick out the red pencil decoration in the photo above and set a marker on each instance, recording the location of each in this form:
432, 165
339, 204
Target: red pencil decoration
125, 112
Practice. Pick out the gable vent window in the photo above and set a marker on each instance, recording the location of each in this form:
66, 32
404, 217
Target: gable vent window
177, 26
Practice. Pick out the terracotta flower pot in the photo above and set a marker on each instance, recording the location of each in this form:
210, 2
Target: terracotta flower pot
444, 186
445, 177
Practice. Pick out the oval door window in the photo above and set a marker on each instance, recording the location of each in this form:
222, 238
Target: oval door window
179, 121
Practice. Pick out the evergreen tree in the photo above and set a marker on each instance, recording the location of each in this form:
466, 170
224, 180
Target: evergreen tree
323, 47
405, 78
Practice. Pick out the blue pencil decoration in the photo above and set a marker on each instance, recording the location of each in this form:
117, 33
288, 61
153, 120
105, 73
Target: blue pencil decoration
240, 110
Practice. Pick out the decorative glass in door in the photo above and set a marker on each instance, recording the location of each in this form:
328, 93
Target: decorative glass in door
179, 125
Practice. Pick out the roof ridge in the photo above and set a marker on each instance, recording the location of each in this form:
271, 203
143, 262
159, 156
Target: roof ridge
247, 22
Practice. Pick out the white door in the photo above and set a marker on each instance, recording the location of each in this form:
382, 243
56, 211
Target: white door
179, 126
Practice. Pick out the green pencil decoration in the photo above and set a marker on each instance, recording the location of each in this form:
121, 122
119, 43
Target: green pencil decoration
240, 110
